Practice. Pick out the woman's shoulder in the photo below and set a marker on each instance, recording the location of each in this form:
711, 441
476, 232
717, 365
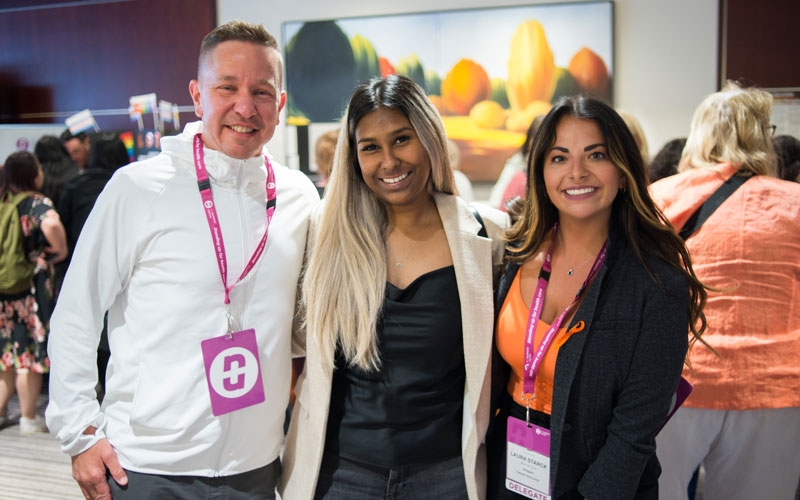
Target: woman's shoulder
32, 211
774, 187
651, 271
35, 204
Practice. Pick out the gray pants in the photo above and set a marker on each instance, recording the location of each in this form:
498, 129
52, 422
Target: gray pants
255, 484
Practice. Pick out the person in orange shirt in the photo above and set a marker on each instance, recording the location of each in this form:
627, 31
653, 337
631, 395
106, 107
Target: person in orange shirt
594, 306
742, 422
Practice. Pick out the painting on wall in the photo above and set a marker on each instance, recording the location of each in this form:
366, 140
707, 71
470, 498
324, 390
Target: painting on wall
489, 72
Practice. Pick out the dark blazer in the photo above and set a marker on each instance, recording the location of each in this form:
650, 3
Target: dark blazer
614, 378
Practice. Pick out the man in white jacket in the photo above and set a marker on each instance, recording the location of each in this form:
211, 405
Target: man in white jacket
195, 254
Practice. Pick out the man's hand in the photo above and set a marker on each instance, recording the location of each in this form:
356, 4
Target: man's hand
89, 470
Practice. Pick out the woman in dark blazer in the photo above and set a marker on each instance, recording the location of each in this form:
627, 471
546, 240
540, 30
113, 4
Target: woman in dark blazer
593, 309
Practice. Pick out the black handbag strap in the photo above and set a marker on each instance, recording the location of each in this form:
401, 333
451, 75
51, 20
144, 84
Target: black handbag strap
712, 203
478, 217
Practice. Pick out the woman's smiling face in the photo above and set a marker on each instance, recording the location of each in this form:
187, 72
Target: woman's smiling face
580, 179
394, 163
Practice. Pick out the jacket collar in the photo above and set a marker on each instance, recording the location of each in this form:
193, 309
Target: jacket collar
222, 169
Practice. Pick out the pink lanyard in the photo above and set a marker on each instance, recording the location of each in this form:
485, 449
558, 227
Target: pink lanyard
532, 362
213, 221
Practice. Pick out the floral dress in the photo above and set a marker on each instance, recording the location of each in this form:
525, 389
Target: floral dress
23, 337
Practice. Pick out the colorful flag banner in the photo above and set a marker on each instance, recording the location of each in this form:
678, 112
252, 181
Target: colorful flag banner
165, 111
145, 102
81, 121
127, 139
141, 104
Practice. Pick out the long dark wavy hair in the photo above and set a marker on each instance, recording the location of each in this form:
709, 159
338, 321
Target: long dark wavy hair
56, 164
645, 228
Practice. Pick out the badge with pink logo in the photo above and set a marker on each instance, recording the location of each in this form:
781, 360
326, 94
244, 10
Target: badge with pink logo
528, 459
233, 371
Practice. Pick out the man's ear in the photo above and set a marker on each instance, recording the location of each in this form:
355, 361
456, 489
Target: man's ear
281, 105
194, 91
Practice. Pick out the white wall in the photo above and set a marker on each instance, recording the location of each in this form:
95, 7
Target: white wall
665, 57
23, 137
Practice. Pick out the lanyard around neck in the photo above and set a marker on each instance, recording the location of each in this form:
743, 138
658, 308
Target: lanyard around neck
213, 221
534, 360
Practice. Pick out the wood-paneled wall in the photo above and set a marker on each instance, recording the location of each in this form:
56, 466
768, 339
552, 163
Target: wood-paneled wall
760, 42
96, 54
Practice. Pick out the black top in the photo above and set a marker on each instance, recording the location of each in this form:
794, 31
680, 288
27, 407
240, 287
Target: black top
409, 412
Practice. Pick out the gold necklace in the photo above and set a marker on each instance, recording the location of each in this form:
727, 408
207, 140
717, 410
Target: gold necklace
571, 269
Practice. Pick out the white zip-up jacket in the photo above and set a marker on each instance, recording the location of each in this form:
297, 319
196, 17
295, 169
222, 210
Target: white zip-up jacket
146, 256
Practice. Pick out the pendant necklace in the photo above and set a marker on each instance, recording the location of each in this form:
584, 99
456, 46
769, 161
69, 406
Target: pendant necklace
571, 269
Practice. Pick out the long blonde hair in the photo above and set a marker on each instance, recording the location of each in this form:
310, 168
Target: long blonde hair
344, 284
732, 126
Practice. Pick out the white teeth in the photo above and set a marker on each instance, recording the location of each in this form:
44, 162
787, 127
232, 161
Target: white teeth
243, 130
576, 192
394, 180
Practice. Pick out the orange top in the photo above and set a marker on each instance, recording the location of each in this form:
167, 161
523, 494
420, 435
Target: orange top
750, 249
511, 325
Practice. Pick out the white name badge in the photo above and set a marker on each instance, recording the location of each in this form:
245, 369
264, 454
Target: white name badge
528, 460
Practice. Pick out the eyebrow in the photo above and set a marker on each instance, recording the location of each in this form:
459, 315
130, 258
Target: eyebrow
393, 133
587, 148
232, 78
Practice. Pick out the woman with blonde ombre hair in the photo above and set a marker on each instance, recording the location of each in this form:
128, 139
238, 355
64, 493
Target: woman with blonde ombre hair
398, 307
742, 422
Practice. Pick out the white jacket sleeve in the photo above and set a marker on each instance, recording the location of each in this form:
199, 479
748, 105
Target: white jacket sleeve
103, 260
